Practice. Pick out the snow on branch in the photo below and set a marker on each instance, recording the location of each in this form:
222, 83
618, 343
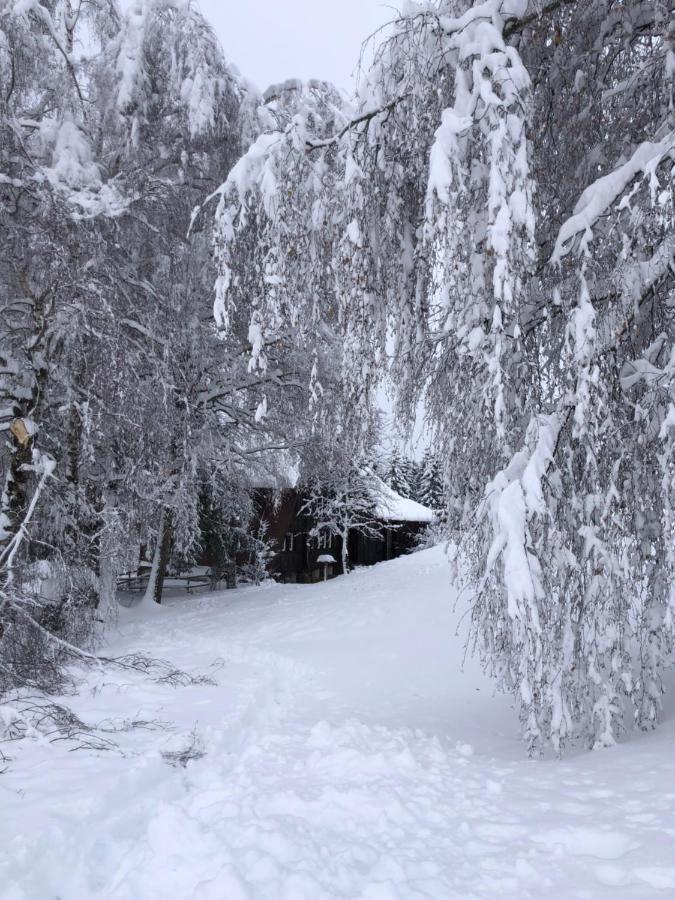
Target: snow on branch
364, 118
598, 197
511, 499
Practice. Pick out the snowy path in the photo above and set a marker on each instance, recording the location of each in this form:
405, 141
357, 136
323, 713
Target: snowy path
346, 755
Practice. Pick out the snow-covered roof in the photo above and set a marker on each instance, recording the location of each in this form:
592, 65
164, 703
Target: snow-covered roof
392, 507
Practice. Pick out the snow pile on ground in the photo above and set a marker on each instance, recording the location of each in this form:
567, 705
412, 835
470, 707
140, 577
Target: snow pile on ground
345, 755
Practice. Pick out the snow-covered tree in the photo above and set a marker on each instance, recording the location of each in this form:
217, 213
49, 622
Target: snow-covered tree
50, 187
399, 474
114, 124
273, 214
488, 226
431, 490
576, 584
342, 500
500, 206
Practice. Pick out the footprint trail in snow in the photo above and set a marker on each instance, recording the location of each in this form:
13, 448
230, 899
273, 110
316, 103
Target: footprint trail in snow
346, 755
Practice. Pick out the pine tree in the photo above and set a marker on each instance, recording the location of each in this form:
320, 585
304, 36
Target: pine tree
432, 489
398, 473
415, 480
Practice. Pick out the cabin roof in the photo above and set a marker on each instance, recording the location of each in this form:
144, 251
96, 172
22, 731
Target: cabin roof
392, 507
280, 508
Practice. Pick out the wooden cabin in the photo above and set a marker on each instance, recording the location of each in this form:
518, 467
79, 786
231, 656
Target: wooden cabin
296, 554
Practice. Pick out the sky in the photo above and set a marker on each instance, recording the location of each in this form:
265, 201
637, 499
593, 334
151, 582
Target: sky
272, 40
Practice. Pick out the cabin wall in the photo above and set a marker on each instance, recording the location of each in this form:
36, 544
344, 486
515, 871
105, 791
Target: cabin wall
366, 550
300, 563
295, 554
297, 559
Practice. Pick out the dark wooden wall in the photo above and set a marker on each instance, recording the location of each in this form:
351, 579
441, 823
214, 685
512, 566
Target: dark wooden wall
296, 559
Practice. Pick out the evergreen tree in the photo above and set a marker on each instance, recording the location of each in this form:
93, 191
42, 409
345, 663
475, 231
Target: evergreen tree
398, 473
431, 487
415, 480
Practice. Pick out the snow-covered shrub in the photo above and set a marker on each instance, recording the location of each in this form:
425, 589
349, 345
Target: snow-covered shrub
260, 552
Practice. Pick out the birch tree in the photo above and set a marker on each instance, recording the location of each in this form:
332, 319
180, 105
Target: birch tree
497, 209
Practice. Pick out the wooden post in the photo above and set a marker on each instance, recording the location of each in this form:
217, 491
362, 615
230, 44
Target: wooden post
325, 560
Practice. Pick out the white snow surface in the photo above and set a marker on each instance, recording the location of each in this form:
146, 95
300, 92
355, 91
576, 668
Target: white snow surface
392, 507
347, 754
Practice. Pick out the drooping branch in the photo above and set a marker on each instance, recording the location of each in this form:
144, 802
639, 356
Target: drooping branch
354, 123
514, 26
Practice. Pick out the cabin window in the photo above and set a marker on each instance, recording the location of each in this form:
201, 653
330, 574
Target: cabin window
289, 542
323, 541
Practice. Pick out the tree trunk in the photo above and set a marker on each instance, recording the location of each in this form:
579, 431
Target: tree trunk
74, 443
160, 558
15, 494
108, 557
164, 540
345, 551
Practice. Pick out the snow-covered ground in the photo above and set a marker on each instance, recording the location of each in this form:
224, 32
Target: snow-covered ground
346, 754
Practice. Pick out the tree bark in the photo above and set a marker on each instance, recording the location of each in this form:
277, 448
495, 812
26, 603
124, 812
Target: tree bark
164, 540
15, 494
160, 557
345, 550
108, 556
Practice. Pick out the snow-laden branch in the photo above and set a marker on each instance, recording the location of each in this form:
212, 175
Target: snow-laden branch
491, 12
511, 499
598, 197
362, 119
43, 15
